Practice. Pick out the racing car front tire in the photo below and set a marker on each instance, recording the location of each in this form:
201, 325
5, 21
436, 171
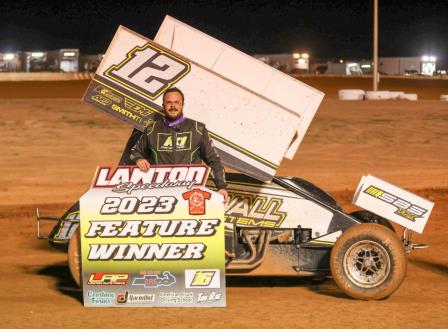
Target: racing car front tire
74, 257
368, 262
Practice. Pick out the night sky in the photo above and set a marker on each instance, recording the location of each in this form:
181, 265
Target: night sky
326, 29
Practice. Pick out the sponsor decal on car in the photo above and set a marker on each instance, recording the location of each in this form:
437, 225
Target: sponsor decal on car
108, 93
137, 108
101, 99
259, 210
67, 228
393, 203
148, 70
405, 208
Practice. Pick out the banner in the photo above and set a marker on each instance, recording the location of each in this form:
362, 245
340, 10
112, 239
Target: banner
152, 239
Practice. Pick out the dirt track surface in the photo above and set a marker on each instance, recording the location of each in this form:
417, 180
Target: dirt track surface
49, 152
425, 88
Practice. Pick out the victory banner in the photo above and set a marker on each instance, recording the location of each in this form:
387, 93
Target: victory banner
152, 239
255, 114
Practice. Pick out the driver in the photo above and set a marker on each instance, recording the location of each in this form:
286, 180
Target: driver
175, 139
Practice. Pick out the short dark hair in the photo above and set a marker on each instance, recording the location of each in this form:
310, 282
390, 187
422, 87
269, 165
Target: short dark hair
173, 90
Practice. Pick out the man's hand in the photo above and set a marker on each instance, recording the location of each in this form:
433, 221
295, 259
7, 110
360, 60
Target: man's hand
224, 193
143, 165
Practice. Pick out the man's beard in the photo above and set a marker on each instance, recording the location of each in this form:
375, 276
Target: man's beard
170, 117
173, 122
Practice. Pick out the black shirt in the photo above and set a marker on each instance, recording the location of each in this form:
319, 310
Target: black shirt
186, 143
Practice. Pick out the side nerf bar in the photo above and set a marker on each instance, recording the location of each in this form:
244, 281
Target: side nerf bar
40, 218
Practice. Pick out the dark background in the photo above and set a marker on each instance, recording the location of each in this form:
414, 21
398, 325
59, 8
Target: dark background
325, 29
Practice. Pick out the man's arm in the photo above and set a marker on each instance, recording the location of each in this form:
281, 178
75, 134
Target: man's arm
126, 156
140, 149
140, 152
212, 159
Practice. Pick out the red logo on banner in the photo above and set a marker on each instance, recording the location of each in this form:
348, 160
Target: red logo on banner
100, 278
196, 201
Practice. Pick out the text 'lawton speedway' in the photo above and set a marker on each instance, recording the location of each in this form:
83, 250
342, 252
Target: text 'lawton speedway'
125, 179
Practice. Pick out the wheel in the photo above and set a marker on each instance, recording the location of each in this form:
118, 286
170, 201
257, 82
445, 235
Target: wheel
366, 216
368, 262
74, 257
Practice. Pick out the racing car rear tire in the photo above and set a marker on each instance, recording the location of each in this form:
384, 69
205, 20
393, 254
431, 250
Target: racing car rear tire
74, 257
368, 262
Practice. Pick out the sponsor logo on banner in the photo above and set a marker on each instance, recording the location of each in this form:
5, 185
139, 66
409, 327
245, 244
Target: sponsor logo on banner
155, 280
148, 70
105, 279
175, 297
196, 201
126, 179
100, 297
211, 297
131, 298
405, 208
207, 278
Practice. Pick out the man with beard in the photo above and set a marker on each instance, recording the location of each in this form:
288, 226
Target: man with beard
175, 139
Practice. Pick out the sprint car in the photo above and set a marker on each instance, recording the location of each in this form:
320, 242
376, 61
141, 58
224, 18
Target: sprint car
289, 227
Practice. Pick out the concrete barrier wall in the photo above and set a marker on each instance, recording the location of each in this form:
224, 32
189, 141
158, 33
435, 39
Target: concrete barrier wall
44, 76
369, 76
58, 76
426, 88
67, 85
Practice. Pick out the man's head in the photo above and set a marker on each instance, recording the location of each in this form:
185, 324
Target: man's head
173, 103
